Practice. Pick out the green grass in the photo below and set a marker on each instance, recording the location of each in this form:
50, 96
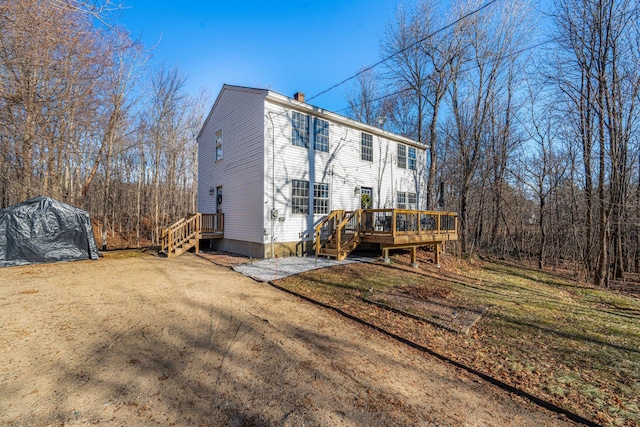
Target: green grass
576, 346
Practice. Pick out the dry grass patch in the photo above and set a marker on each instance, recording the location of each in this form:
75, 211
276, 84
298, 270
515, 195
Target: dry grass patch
573, 345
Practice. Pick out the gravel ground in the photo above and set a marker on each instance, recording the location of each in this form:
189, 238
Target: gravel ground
265, 270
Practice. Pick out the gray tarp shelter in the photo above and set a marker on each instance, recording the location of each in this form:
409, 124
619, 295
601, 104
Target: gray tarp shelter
45, 230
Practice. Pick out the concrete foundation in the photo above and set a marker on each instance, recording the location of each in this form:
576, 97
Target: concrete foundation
260, 250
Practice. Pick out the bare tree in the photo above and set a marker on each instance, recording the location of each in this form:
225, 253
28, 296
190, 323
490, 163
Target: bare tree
488, 42
597, 74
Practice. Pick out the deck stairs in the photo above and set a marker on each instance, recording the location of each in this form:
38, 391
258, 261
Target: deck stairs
186, 233
338, 235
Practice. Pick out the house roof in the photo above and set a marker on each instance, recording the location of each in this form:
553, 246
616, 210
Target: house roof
291, 103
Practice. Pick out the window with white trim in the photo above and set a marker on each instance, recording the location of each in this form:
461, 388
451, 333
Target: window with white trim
299, 197
366, 147
412, 158
320, 135
402, 200
299, 129
218, 145
402, 156
411, 200
320, 198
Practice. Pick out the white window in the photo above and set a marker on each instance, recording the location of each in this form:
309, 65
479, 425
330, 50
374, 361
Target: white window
321, 135
218, 145
402, 200
366, 147
299, 197
300, 129
320, 198
402, 156
411, 200
412, 158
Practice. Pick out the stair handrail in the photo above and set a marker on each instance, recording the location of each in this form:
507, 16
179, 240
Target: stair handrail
340, 228
327, 221
179, 232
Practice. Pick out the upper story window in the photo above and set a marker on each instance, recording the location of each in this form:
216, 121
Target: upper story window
407, 157
402, 156
412, 158
218, 145
321, 135
300, 129
299, 196
366, 147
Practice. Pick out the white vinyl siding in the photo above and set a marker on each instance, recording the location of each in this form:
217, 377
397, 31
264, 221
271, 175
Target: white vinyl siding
261, 162
341, 170
240, 112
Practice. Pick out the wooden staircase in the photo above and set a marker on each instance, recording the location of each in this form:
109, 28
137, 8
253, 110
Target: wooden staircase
338, 235
186, 233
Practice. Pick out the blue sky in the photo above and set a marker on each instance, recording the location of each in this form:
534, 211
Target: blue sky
286, 46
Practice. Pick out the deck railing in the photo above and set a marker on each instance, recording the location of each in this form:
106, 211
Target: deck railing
341, 229
395, 222
326, 229
211, 223
189, 230
178, 233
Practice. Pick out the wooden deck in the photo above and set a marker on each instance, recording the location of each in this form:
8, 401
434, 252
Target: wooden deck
342, 231
338, 234
187, 233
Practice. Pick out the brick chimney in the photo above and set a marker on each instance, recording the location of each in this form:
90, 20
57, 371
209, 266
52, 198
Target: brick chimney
298, 96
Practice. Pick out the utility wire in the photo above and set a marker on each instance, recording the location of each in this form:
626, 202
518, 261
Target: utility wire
383, 60
388, 95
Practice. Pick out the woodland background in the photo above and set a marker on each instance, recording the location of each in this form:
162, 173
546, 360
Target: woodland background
532, 123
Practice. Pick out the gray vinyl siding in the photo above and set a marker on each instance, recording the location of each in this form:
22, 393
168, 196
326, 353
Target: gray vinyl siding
239, 113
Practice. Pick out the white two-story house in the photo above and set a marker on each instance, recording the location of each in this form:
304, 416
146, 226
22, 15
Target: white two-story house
276, 166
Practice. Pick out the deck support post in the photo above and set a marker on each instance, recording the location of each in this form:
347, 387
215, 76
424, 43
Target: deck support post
436, 260
385, 255
414, 261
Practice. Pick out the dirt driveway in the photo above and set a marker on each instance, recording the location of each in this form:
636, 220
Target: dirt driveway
151, 341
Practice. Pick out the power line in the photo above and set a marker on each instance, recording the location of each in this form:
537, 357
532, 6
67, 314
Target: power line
405, 49
389, 95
